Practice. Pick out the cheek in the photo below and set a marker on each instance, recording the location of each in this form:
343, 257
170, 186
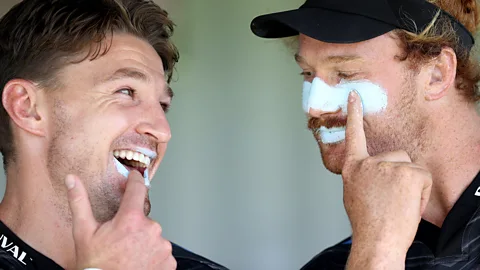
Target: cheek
109, 123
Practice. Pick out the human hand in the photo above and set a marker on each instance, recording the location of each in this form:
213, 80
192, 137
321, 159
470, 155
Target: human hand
129, 241
384, 196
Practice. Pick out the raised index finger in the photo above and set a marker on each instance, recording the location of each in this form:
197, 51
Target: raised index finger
355, 141
135, 193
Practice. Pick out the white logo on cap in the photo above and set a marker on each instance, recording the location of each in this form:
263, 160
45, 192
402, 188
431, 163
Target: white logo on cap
478, 192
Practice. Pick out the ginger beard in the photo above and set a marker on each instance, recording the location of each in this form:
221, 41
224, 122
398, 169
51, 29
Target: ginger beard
401, 126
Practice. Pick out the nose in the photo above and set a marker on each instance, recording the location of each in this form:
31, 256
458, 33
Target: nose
320, 99
317, 113
154, 123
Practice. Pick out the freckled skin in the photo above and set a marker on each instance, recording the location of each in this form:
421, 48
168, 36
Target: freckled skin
321, 97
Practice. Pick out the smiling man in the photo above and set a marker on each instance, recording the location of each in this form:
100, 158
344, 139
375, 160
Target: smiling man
390, 91
85, 90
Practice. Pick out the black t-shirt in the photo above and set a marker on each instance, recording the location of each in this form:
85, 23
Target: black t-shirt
455, 246
17, 255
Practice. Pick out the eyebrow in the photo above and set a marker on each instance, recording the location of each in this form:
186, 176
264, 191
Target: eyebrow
126, 73
336, 59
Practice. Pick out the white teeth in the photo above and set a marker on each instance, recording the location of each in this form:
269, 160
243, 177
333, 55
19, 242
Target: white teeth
131, 155
135, 156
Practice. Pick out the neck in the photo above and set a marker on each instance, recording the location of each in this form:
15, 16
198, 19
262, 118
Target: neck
37, 211
453, 159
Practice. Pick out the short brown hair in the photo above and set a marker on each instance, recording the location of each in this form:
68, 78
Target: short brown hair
39, 37
420, 48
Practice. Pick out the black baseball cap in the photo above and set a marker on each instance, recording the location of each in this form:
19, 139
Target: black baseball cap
350, 21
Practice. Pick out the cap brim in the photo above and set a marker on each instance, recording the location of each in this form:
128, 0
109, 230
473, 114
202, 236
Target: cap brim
321, 24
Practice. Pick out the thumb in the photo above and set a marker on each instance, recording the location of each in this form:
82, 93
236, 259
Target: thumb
84, 224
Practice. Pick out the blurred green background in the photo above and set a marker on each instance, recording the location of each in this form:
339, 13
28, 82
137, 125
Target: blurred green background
242, 182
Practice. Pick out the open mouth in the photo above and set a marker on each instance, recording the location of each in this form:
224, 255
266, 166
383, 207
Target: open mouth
132, 160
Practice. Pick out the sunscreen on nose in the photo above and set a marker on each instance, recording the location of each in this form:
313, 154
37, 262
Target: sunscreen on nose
320, 96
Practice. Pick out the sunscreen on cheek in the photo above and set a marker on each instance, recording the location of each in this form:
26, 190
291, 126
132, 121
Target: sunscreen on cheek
320, 96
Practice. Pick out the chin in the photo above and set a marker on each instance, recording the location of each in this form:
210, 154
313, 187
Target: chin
333, 156
106, 197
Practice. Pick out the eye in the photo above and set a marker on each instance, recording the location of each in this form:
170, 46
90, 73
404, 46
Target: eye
306, 74
345, 75
126, 91
165, 106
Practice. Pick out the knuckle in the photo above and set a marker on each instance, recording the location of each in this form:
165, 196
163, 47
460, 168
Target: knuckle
404, 171
346, 174
157, 228
77, 198
167, 247
173, 263
384, 164
427, 175
169, 263
368, 162
132, 223
349, 160
129, 228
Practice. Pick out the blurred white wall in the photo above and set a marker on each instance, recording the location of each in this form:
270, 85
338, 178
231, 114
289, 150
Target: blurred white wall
242, 182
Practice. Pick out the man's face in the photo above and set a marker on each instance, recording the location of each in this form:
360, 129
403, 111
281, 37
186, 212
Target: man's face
114, 105
399, 126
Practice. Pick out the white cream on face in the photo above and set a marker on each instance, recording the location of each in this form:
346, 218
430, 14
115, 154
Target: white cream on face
318, 95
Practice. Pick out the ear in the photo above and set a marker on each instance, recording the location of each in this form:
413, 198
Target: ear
20, 100
442, 73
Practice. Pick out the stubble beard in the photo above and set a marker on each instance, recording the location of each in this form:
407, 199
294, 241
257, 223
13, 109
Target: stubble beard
404, 128
63, 158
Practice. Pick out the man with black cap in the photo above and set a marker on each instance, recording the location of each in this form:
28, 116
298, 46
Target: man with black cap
83, 130
390, 94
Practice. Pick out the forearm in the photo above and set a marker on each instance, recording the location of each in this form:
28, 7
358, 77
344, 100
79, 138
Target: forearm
376, 257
